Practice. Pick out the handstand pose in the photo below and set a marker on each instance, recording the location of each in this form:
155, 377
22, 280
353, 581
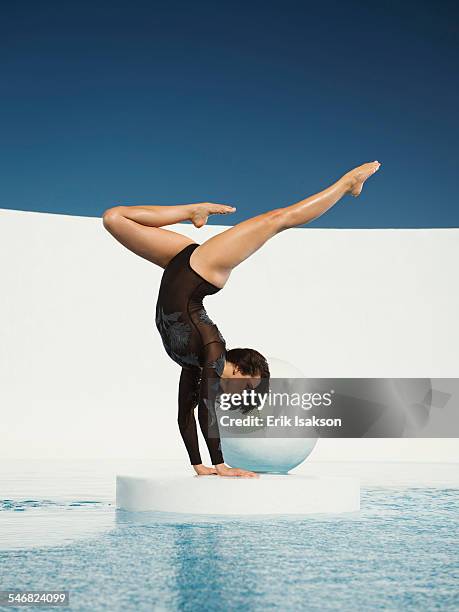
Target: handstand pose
192, 271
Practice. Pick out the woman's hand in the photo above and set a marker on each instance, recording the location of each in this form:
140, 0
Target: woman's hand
203, 470
224, 470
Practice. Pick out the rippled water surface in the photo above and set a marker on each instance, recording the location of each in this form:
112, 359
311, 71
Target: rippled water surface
400, 552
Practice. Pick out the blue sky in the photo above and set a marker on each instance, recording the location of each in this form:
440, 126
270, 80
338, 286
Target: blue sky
255, 104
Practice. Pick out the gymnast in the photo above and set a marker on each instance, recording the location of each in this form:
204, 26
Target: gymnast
193, 271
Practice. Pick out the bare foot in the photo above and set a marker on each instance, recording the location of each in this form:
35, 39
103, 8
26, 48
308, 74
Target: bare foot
224, 470
356, 177
202, 210
203, 470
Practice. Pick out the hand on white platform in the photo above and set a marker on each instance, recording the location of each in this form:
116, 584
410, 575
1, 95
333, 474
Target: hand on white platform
224, 470
203, 470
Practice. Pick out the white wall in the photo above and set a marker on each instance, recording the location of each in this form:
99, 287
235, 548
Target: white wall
83, 372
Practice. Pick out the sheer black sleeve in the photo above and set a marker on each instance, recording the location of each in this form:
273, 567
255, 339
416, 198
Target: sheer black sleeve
188, 398
210, 382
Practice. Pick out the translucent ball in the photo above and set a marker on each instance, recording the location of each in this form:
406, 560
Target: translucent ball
269, 454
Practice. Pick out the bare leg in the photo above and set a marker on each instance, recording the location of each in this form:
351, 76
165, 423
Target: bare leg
218, 256
139, 228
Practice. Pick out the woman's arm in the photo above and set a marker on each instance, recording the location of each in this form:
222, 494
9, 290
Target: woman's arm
214, 353
188, 400
210, 383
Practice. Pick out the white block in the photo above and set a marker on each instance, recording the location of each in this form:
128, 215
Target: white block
212, 495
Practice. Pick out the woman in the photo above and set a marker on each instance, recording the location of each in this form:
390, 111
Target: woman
192, 271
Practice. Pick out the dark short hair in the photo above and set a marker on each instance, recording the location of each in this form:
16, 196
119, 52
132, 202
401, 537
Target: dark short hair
251, 363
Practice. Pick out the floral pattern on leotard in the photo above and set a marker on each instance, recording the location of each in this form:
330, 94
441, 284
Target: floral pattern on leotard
218, 365
176, 335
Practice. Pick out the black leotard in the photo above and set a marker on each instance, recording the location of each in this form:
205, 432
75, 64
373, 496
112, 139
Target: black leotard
193, 341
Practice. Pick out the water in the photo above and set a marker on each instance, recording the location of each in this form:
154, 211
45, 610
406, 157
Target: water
400, 552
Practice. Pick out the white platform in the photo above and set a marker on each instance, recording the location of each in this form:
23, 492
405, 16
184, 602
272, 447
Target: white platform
211, 495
